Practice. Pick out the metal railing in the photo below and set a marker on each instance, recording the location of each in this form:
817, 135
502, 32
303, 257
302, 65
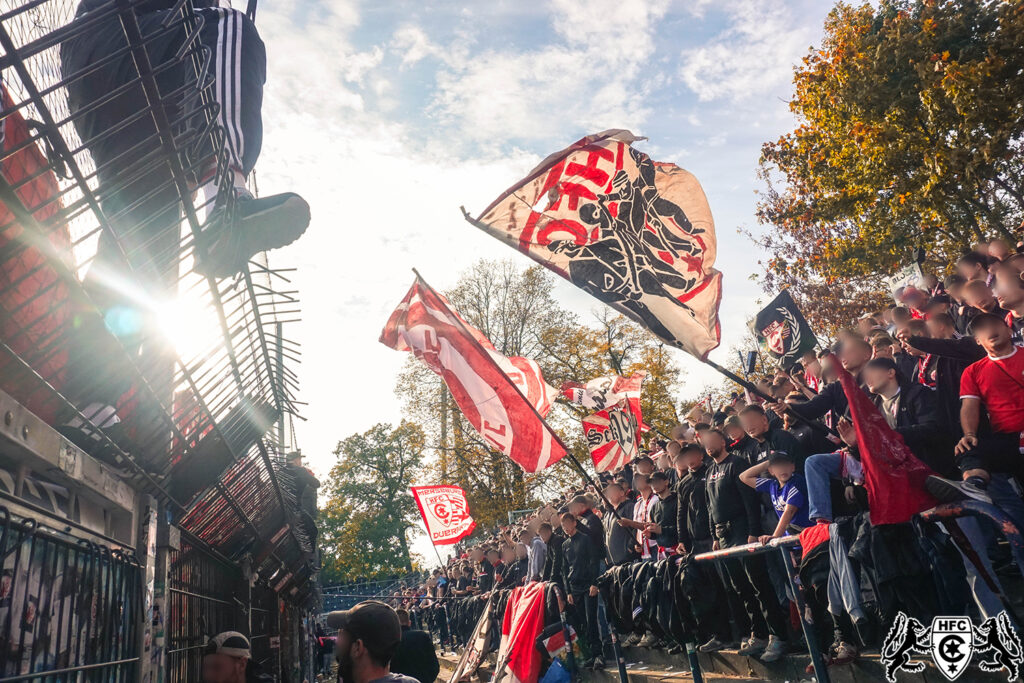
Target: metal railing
63, 606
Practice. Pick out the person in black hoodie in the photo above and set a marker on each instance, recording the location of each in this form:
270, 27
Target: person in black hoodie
949, 357
579, 578
415, 656
734, 520
767, 438
553, 539
662, 527
853, 354
581, 509
620, 541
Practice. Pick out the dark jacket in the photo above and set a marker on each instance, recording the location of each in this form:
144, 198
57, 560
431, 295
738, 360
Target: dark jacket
778, 440
831, 397
730, 501
416, 657
920, 422
553, 560
952, 358
594, 530
579, 571
619, 540
692, 523
665, 513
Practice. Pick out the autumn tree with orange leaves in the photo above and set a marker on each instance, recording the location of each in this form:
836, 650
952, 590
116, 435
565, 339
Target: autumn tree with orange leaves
910, 119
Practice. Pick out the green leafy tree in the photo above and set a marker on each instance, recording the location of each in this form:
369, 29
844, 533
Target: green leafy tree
909, 128
369, 511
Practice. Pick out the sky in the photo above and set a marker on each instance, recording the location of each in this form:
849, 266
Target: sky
387, 117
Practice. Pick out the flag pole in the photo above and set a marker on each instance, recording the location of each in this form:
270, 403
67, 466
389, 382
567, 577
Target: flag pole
813, 424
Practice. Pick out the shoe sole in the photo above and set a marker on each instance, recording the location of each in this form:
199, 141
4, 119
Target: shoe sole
273, 228
949, 493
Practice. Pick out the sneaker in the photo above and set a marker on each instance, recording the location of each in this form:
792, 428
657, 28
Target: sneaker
950, 491
598, 663
674, 649
260, 224
649, 640
845, 653
632, 639
753, 647
587, 663
714, 645
775, 651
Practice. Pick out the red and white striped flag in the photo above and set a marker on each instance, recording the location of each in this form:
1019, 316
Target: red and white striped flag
503, 398
604, 392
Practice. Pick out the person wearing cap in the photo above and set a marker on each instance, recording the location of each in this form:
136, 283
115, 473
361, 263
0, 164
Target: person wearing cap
226, 659
368, 636
662, 527
415, 655
786, 488
987, 458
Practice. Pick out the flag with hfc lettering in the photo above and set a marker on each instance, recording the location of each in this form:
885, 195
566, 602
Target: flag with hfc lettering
635, 233
504, 399
445, 513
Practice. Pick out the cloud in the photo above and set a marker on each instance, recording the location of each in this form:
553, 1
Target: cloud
753, 57
589, 76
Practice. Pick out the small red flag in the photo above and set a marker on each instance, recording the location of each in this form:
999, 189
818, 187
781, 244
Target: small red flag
445, 513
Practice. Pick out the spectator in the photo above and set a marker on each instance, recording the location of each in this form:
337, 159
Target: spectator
996, 384
734, 513
415, 656
662, 527
1008, 287
619, 541
581, 509
579, 576
786, 488
538, 554
368, 636
642, 509
553, 540
227, 659
766, 438
973, 266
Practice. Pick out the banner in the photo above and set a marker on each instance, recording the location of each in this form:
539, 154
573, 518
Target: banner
501, 397
612, 437
893, 476
783, 330
445, 513
909, 275
634, 233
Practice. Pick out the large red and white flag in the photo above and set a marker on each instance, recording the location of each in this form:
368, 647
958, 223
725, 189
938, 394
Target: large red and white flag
612, 436
518, 658
445, 513
604, 392
503, 398
635, 233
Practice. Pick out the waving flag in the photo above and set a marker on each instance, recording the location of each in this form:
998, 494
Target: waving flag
503, 398
893, 476
445, 513
635, 233
783, 330
612, 437
605, 391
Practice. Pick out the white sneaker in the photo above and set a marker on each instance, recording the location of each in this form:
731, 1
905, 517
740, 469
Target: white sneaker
775, 651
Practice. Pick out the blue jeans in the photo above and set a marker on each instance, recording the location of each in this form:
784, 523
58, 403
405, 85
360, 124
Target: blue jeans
988, 603
818, 470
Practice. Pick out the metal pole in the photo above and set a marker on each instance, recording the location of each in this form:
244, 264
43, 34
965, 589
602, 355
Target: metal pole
817, 661
279, 360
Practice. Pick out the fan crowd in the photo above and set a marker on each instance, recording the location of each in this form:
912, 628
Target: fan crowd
944, 368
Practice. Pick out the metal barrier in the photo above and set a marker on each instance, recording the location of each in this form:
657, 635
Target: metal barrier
65, 606
783, 546
99, 298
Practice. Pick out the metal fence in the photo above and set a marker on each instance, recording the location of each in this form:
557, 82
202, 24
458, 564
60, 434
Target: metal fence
100, 301
65, 606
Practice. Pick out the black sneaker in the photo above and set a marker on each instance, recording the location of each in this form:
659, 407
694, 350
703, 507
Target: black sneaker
950, 491
260, 224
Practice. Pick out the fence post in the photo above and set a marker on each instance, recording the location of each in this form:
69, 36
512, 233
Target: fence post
151, 655
817, 661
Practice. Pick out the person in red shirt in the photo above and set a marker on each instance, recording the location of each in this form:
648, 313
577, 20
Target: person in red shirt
996, 384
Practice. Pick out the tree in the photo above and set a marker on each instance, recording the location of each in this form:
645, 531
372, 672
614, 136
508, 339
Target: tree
516, 309
369, 510
909, 129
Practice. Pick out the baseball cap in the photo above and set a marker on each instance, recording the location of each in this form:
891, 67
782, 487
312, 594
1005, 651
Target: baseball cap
230, 643
373, 622
779, 456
